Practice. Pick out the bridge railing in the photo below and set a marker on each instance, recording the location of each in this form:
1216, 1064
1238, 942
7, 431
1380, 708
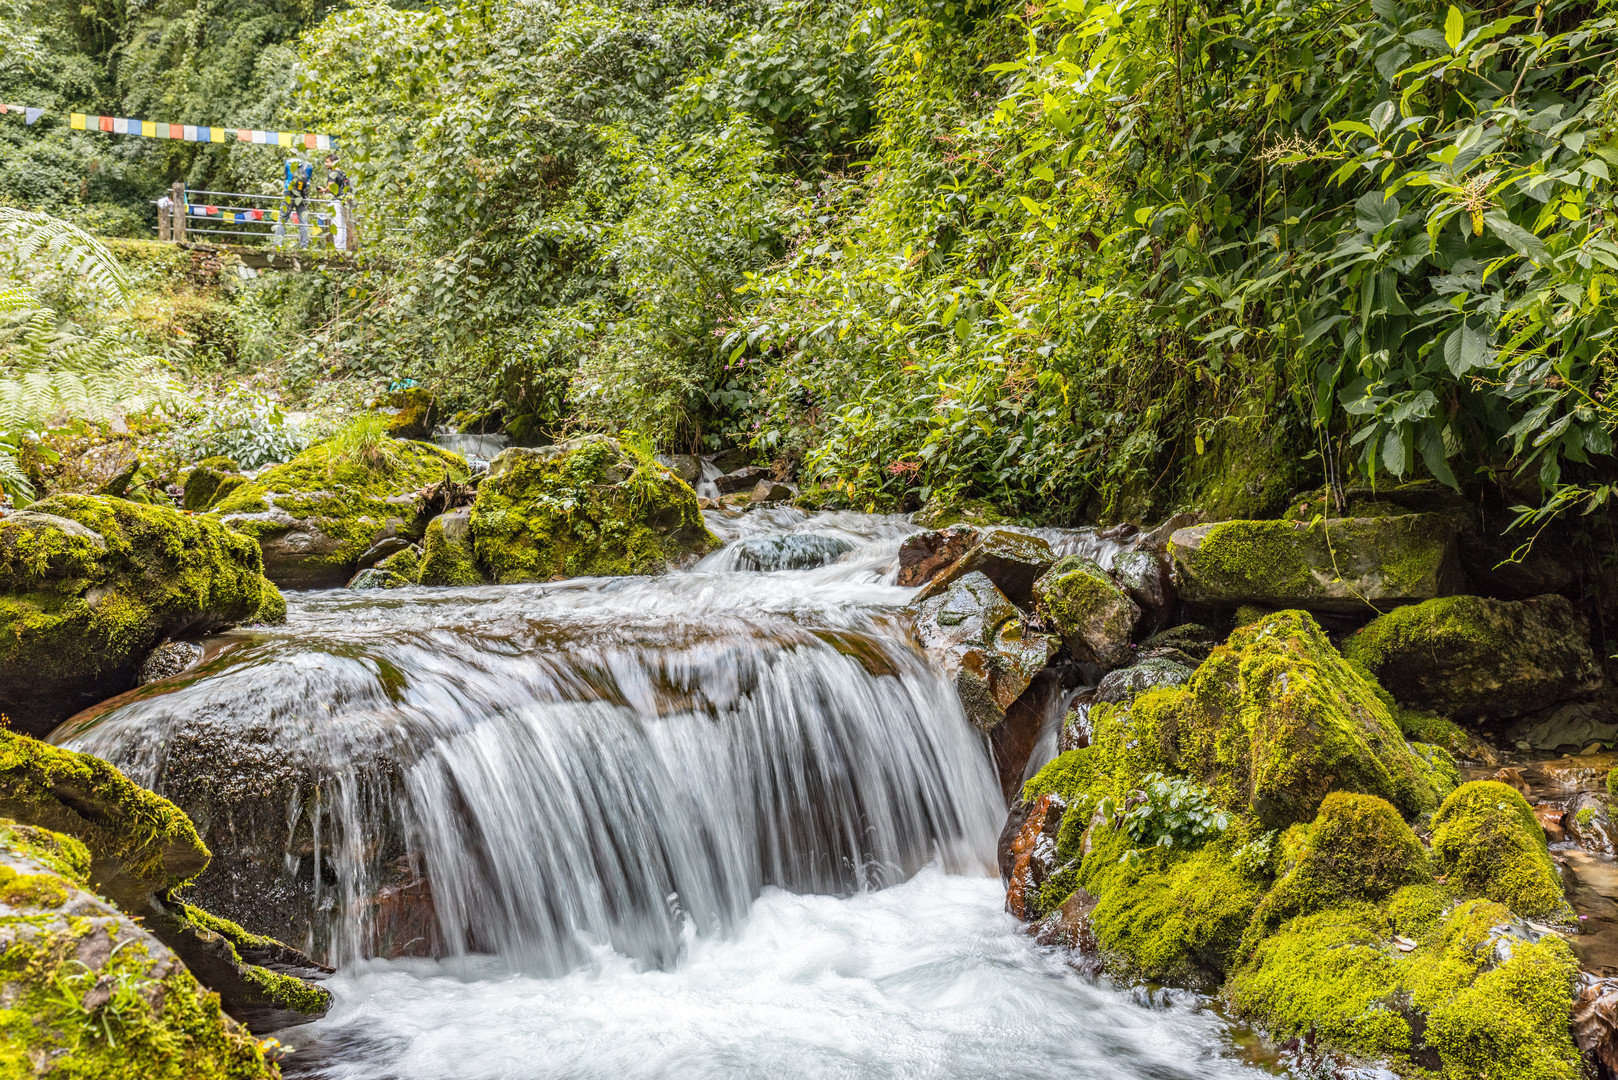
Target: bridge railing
238, 217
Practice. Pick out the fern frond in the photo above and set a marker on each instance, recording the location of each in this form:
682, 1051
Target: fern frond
13, 480
30, 234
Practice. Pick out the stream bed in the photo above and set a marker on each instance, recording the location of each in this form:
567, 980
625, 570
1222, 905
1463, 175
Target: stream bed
722, 823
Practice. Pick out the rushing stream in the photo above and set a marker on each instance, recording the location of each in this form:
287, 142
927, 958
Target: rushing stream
721, 823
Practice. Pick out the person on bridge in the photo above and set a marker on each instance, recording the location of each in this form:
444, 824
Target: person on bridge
338, 184
295, 201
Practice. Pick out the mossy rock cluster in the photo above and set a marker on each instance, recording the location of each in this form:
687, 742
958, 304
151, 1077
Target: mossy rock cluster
90, 584
1316, 910
1092, 614
585, 507
1472, 657
208, 482
85, 992
1336, 564
317, 516
138, 849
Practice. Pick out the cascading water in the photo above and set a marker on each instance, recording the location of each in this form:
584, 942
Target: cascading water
718, 823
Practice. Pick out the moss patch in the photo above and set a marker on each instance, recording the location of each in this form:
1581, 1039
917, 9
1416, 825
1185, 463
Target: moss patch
584, 507
89, 584
1488, 842
139, 842
447, 556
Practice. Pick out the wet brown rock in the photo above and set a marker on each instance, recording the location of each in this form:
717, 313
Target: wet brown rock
924, 555
1512, 777
1094, 616
1579, 770
1550, 819
1146, 577
1033, 854
1012, 560
1595, 1020
1068, 927
767, 491
1589, 821
980, 640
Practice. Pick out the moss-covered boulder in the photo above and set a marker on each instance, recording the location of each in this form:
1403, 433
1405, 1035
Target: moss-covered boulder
90, 584
1488, 843
1092, 614
1471, 656
1410, 984
1272, 722
87, 992
209, 481
1357, 849
139, 849
1340, 564
447, 554
981, 641
318, 516
585, 507
412, 413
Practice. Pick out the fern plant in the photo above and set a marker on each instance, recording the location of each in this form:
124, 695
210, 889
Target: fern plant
51, 368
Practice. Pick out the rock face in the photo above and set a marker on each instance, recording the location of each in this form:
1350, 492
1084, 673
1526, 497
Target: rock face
583, 507
980, 639
1030, 855
140, 849
1093, 615
447, 554
744, 479
169, 658
923, 555
1474, 657
1145, 577
1125, 684
1012, 560
317, 516
87, 992
89, 584
1338, 564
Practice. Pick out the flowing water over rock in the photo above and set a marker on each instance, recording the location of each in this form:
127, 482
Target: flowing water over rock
719, 823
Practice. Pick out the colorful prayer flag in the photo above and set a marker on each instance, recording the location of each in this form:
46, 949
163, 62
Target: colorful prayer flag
283, 138
148, 129
105, 122
76, 121
243, 135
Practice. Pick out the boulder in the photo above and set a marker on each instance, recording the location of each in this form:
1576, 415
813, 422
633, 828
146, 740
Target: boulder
1012, 560
1588, 821
141, 848
789, 551
940, 513
1488, 843
1572, 723
1029, 857
733, 458
688, 467
90, 584
584, 507
87, 991
743, 479
447, 555
1191, 639
1271, 723
1471, 656
209, 481
1339, 564
1145, 577
412, 414
373, 578
772, 491
1092, 614
317, 516
1125, 684
980, 640
923, 555
168, 660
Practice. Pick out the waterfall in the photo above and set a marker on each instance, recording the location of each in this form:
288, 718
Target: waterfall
532, 772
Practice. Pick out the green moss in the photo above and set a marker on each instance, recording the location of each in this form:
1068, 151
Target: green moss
447, 556
1248, 614
1248, 466
139, 842
344, 497
61, 853
1342, 563
209, 481
1276, 719
79, 610
277, 990
1172, 915
944, 511
405, 563
1612, 781
586, 507
1489, 844
1339, 975
1358, 848
273, 609
1087, 608
1430, 728
416, 412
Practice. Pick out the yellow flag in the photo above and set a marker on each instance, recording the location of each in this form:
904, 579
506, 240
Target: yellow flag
216, 134
148, 128
283, 138
76, 121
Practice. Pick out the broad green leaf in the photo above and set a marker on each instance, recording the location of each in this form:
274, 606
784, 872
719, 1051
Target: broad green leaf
1454, 28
